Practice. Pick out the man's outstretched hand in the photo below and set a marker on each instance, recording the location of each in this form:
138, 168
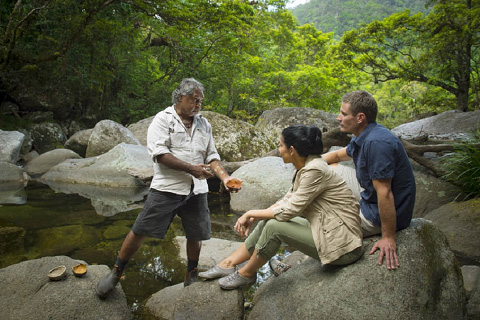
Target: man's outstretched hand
388, 249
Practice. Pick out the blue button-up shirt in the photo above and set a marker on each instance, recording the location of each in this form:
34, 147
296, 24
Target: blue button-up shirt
378, 154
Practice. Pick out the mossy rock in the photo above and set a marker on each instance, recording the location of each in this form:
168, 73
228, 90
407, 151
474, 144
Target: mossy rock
116, 232
125, 223
62, 240
12, 239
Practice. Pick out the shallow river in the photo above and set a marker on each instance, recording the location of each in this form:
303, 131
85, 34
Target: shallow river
91, 227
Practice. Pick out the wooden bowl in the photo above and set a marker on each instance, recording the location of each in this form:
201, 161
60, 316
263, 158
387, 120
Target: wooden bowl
234, 184
57, 273
79, 270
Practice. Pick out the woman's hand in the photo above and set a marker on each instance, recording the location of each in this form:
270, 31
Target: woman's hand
244, 223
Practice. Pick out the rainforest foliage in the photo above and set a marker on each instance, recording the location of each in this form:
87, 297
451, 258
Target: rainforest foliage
121, 59
339, 16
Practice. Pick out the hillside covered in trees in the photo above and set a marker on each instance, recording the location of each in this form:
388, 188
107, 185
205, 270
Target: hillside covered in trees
338, 16
120, 60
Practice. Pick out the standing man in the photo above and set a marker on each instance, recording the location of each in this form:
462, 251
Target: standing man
382, 169
180, 142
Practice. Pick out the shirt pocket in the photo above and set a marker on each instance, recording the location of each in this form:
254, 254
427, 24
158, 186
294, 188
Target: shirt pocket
200, 141
335, 233
178, 137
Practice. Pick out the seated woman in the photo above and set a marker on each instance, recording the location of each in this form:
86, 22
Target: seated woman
318, 216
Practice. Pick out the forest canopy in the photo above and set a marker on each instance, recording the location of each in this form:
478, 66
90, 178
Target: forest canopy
121, 59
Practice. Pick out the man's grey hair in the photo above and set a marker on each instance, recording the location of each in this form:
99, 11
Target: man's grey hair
186, 88
362, 101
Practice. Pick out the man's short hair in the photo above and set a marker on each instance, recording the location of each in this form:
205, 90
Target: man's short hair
186, 88
362, 101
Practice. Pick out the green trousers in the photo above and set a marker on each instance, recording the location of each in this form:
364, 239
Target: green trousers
268, 235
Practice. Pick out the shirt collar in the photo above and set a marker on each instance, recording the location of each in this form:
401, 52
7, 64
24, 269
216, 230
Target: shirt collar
361, 138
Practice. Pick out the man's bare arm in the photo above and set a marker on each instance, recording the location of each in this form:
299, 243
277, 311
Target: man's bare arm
336, 156
197, 170
221, 174
386, 207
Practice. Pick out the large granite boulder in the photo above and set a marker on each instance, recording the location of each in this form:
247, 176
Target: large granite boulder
265, 181
238, 140
428, 284
451, 125
200, 301
11, 173
275, 120
28, 293
47, 160
432, 193
460, 222
109, 169
140, 129
213, 251
78, 142
47, 136
11, 142
106, 135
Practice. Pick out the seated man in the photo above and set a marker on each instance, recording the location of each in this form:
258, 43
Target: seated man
383, 170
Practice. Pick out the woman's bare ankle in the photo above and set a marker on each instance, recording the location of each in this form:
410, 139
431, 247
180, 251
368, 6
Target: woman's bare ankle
226, 264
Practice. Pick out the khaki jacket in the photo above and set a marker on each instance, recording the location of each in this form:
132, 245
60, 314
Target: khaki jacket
322, 197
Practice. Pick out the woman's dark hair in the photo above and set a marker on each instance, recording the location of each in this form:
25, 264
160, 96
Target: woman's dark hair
306, 140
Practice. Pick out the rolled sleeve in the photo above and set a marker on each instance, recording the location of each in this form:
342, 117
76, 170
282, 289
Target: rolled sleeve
212, 153
310, 186
158, 137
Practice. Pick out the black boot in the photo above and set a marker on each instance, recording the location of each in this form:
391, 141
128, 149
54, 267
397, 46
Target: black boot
108, 282
191, 277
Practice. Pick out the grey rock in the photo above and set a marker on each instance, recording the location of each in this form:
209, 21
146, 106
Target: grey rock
429, 188
460, 222
10, 173
106, 135
47, 160
109, 169
47, 136
448, 126
471, 276
473, 307
238, 140
11, 142
140, 129
201, 300
428, 284
265, 181
30, 156
280, 118
28, 293
78, 142
213, 251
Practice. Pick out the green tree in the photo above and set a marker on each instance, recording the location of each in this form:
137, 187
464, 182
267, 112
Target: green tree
436, 49
120, 59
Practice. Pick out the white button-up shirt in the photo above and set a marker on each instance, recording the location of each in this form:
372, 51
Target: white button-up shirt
167, 134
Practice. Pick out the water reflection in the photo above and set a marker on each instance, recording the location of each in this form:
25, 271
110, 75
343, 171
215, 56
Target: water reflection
89, 223
13, 193
107, 201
